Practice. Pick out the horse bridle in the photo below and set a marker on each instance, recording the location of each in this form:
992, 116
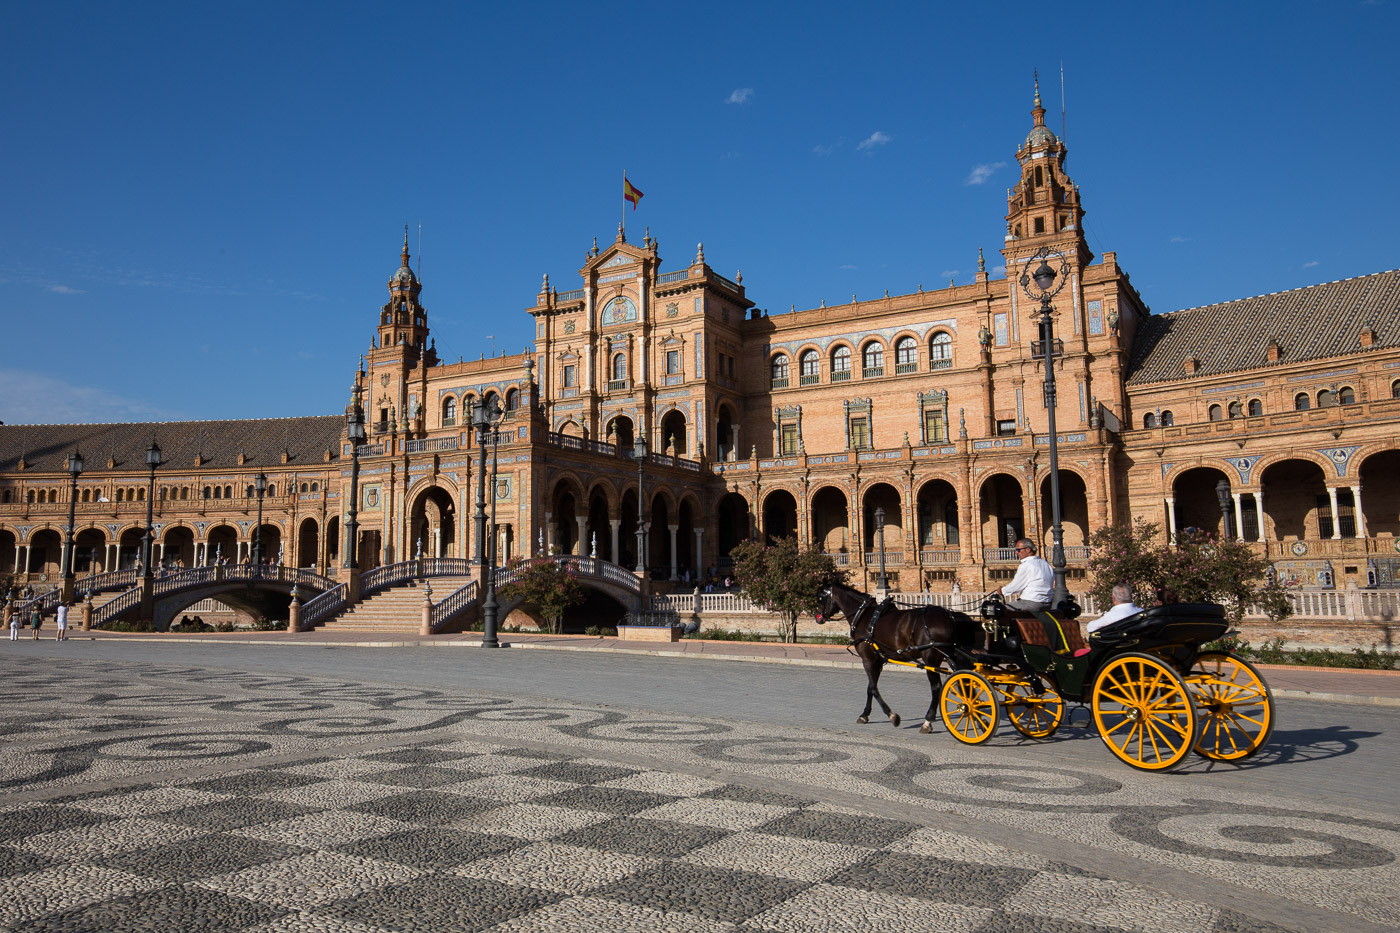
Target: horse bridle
851, 619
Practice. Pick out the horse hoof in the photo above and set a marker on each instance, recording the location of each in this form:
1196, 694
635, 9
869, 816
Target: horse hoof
894, 719
863, 720
926, 728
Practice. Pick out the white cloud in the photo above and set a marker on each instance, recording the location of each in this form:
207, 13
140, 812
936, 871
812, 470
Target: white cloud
66, 290
1309, 265
1180, 239
982, 172
34, 398
848, 266
948, 273
999, 271
740, 96
876, 138
825, 150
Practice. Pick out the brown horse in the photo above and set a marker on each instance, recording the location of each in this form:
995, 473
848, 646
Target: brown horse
881, 633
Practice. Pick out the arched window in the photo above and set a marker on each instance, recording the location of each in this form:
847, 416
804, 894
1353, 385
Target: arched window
121, 495
1395, 389
940, 351
1215, 413
30, 496
491, 401
906, 355
208, 493
1256, 408
780, 371
1236, 410
1346, 396
87, 494
619, 367
218, 492
1325, 399
1149, 420
873, 360
304, 487
840, 364
512, 399
810, 368
140, 495
449, 412
1301, 402
184, 492
315, 487
272, 489
249, 492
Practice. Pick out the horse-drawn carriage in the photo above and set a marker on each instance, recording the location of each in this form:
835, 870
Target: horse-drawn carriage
1154, 692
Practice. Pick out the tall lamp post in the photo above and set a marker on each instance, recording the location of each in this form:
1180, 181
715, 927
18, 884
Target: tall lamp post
880, 530
1222, 494
75, 469
260, 484
639, 451
148, 540
355, 433
1040, 286
486, 417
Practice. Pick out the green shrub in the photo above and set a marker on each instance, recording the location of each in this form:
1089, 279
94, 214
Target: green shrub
139, 625
1274, 652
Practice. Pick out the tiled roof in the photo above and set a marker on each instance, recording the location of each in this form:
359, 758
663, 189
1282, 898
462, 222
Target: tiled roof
1311, 323
45, 447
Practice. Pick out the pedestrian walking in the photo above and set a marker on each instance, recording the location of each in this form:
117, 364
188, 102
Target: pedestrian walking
61, 616
35, 620
12, 620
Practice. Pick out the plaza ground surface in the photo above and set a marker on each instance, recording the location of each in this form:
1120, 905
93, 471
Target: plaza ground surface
287, 783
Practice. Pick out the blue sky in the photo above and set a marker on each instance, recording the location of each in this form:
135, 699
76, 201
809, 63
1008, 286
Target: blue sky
204, 202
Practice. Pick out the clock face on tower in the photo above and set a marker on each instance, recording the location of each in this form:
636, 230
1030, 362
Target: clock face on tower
620, 310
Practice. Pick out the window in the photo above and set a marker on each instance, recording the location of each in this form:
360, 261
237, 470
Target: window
5, 496
780, 371
906, 355
1040, 225
940, 351
449, 412
1325, 399
935, 431
1395, 389
315, 487
1149, 420
218, 492
731, 367
30, 496
1236, 410
1256, 408
810, 368
841, 364
860, 432
249, 492
271, 489
1346, 396
184, 492
1301, 402
1215, 413
208, 493
619, 367
873, 360
512, 399
570, 377
673, 362
1006, 427
789, 440
1346, 515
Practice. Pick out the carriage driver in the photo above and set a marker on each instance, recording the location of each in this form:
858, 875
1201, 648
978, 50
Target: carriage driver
1033, 581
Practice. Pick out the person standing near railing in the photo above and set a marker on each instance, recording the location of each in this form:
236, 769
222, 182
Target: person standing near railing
11, 619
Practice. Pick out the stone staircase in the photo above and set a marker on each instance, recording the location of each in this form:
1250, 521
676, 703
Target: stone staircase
396, 610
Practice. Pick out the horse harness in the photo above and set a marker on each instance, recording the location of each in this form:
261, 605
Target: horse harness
884, 656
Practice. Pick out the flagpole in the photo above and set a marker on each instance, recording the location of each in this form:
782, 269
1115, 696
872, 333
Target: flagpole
623, 228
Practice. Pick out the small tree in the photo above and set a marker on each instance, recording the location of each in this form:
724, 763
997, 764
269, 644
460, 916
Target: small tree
784, 578
546, 584
1198, 568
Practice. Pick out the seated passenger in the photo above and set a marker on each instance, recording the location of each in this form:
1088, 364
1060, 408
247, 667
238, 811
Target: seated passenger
1122, 608
1033, 581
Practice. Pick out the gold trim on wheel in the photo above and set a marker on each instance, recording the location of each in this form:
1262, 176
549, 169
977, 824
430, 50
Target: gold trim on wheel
1234, 704
969, 707
1144, 712
1036, 716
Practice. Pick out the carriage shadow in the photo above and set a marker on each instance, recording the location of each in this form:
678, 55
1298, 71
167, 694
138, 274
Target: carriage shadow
1296, 746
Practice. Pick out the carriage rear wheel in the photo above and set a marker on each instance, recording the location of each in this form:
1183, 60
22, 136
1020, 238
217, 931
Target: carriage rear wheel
1234, 704
1036, 716
1144, 712
969, 707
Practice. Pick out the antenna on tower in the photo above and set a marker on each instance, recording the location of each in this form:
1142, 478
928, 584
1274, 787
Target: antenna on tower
1062, 103
420, 226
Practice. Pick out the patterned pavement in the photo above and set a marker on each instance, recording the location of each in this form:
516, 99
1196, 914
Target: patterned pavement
149, 796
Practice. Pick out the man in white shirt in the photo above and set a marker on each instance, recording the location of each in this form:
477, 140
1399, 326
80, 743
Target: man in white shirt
62, 616
1033, 581
1122, 608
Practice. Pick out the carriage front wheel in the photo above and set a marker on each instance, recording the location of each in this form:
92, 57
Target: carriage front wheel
1034, 715
969, 707
1144, 712
1235, 705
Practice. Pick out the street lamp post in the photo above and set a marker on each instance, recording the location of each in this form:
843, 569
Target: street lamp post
355, 433
1045, 288
260, 484
880, 529
148, 540
1222, 494
75, 469
486, 417
639, 451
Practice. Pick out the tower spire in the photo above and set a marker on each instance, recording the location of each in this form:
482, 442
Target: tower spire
404, 254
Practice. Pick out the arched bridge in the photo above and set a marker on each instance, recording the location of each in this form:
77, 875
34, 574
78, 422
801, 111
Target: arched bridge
257, 590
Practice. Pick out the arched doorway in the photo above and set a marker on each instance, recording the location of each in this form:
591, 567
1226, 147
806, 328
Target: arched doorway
622, 432
627, 530
308, 543
1002, 511
1197, 501
564, 530
432, 526
89, 552
333, 534
599, 526
271, 543
9, 551
45, 553
936, 505
732, 524
129, 548
687, 557
726, 435
658, 537
884, 497
222, 545
1296, 503
673, 433
779, 516
830, 519
1074, 511
1380, 493
177, 552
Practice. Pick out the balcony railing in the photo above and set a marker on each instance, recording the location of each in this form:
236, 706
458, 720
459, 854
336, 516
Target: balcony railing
431, 443
575, 295
450, 421
809, 380
903, 369
1038, 348
892, 558
840, 375
780, 383
617, 385
872, 372
940, 363
666, 278
939, 555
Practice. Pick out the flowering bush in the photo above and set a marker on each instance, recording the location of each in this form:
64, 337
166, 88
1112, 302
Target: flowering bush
785, 579
546, 585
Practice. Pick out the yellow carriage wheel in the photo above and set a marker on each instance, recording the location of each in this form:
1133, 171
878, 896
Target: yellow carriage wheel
1144, 712
1034, 716
1234, 704
969, 707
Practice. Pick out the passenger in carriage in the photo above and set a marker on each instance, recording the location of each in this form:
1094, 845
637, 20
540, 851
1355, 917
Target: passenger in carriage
1033, 581
1122, 608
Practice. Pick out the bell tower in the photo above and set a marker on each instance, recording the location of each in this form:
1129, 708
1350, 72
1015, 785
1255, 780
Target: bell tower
1044, 208
403, 322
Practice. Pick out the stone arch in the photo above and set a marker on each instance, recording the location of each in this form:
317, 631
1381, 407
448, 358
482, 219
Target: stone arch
937, 524
886, 495
674, 424
89, 551
308, 543
727, 424
1378, 475
1195, 500
221, 543
1327, 467
621, 430
569, 428
1001, 509
1074, 509
566, 503
828, 515
779, 515
177, 551
733, 524
1295, 489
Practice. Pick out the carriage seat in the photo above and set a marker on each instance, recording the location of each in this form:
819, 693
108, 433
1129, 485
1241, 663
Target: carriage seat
1059, 634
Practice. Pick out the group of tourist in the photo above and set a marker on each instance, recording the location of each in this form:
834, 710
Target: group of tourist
14, 620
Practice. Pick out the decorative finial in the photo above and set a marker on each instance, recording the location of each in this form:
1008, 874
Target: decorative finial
853, 297
595, 246
950, 282
962, 424
699, 254
739, 277
621, 233
545, 287
404, 255
981, 262
646, 237
1037, 87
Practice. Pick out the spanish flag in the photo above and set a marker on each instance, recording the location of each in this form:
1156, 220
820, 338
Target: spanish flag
630, 192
